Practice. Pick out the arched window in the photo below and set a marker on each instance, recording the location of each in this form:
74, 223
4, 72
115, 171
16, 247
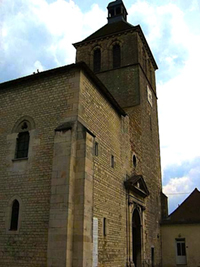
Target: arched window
116, 56
14, 216
97, 60
22, 141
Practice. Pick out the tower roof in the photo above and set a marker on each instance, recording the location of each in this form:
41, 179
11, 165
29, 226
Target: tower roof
108, 29
114, 3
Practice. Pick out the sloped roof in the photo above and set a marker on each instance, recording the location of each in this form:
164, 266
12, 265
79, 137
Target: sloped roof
108, 29
114, 3
187, 212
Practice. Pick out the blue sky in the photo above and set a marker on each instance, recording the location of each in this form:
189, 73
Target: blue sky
38, 34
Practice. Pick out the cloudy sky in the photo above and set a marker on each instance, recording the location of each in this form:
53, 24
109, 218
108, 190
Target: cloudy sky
37, 34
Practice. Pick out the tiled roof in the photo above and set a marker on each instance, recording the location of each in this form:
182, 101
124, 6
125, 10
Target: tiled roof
187, 212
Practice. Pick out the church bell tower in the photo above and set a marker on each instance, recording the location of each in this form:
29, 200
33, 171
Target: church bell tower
116, 12
119, 55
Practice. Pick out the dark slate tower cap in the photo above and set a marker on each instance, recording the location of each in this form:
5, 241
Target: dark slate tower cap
116, 11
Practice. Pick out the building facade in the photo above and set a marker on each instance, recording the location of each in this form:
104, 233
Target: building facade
80, 175
181, 235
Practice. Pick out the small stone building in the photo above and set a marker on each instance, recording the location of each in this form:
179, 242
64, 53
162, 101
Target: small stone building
181, 234
80, 178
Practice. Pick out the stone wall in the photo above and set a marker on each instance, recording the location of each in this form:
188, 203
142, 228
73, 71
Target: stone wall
48, 100
111, 133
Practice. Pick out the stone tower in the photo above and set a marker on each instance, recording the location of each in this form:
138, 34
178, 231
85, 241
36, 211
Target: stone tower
119, 55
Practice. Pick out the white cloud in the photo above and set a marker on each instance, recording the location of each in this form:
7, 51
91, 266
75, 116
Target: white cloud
178, 185
178, 188
159, 20
40, 31
60, 17
179, 111
98, 18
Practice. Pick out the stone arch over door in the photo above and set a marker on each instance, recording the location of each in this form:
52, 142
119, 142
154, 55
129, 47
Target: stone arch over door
136, 238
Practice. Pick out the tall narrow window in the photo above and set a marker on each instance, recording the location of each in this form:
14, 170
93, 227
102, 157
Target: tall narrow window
116, 56
104, 226
96, 149
144, 60
152, 256
150, 122
97, 60
14, 216
22, 145
112, 161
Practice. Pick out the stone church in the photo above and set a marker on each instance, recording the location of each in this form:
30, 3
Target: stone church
80, 177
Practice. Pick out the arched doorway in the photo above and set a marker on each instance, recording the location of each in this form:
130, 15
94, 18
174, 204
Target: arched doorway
136, 238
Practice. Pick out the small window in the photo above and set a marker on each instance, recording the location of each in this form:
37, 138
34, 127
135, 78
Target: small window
150, 122
22, 145
112, 161
180, 251
14, 216
104, 226
96, 149
116, 56
97, 60
134, 161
